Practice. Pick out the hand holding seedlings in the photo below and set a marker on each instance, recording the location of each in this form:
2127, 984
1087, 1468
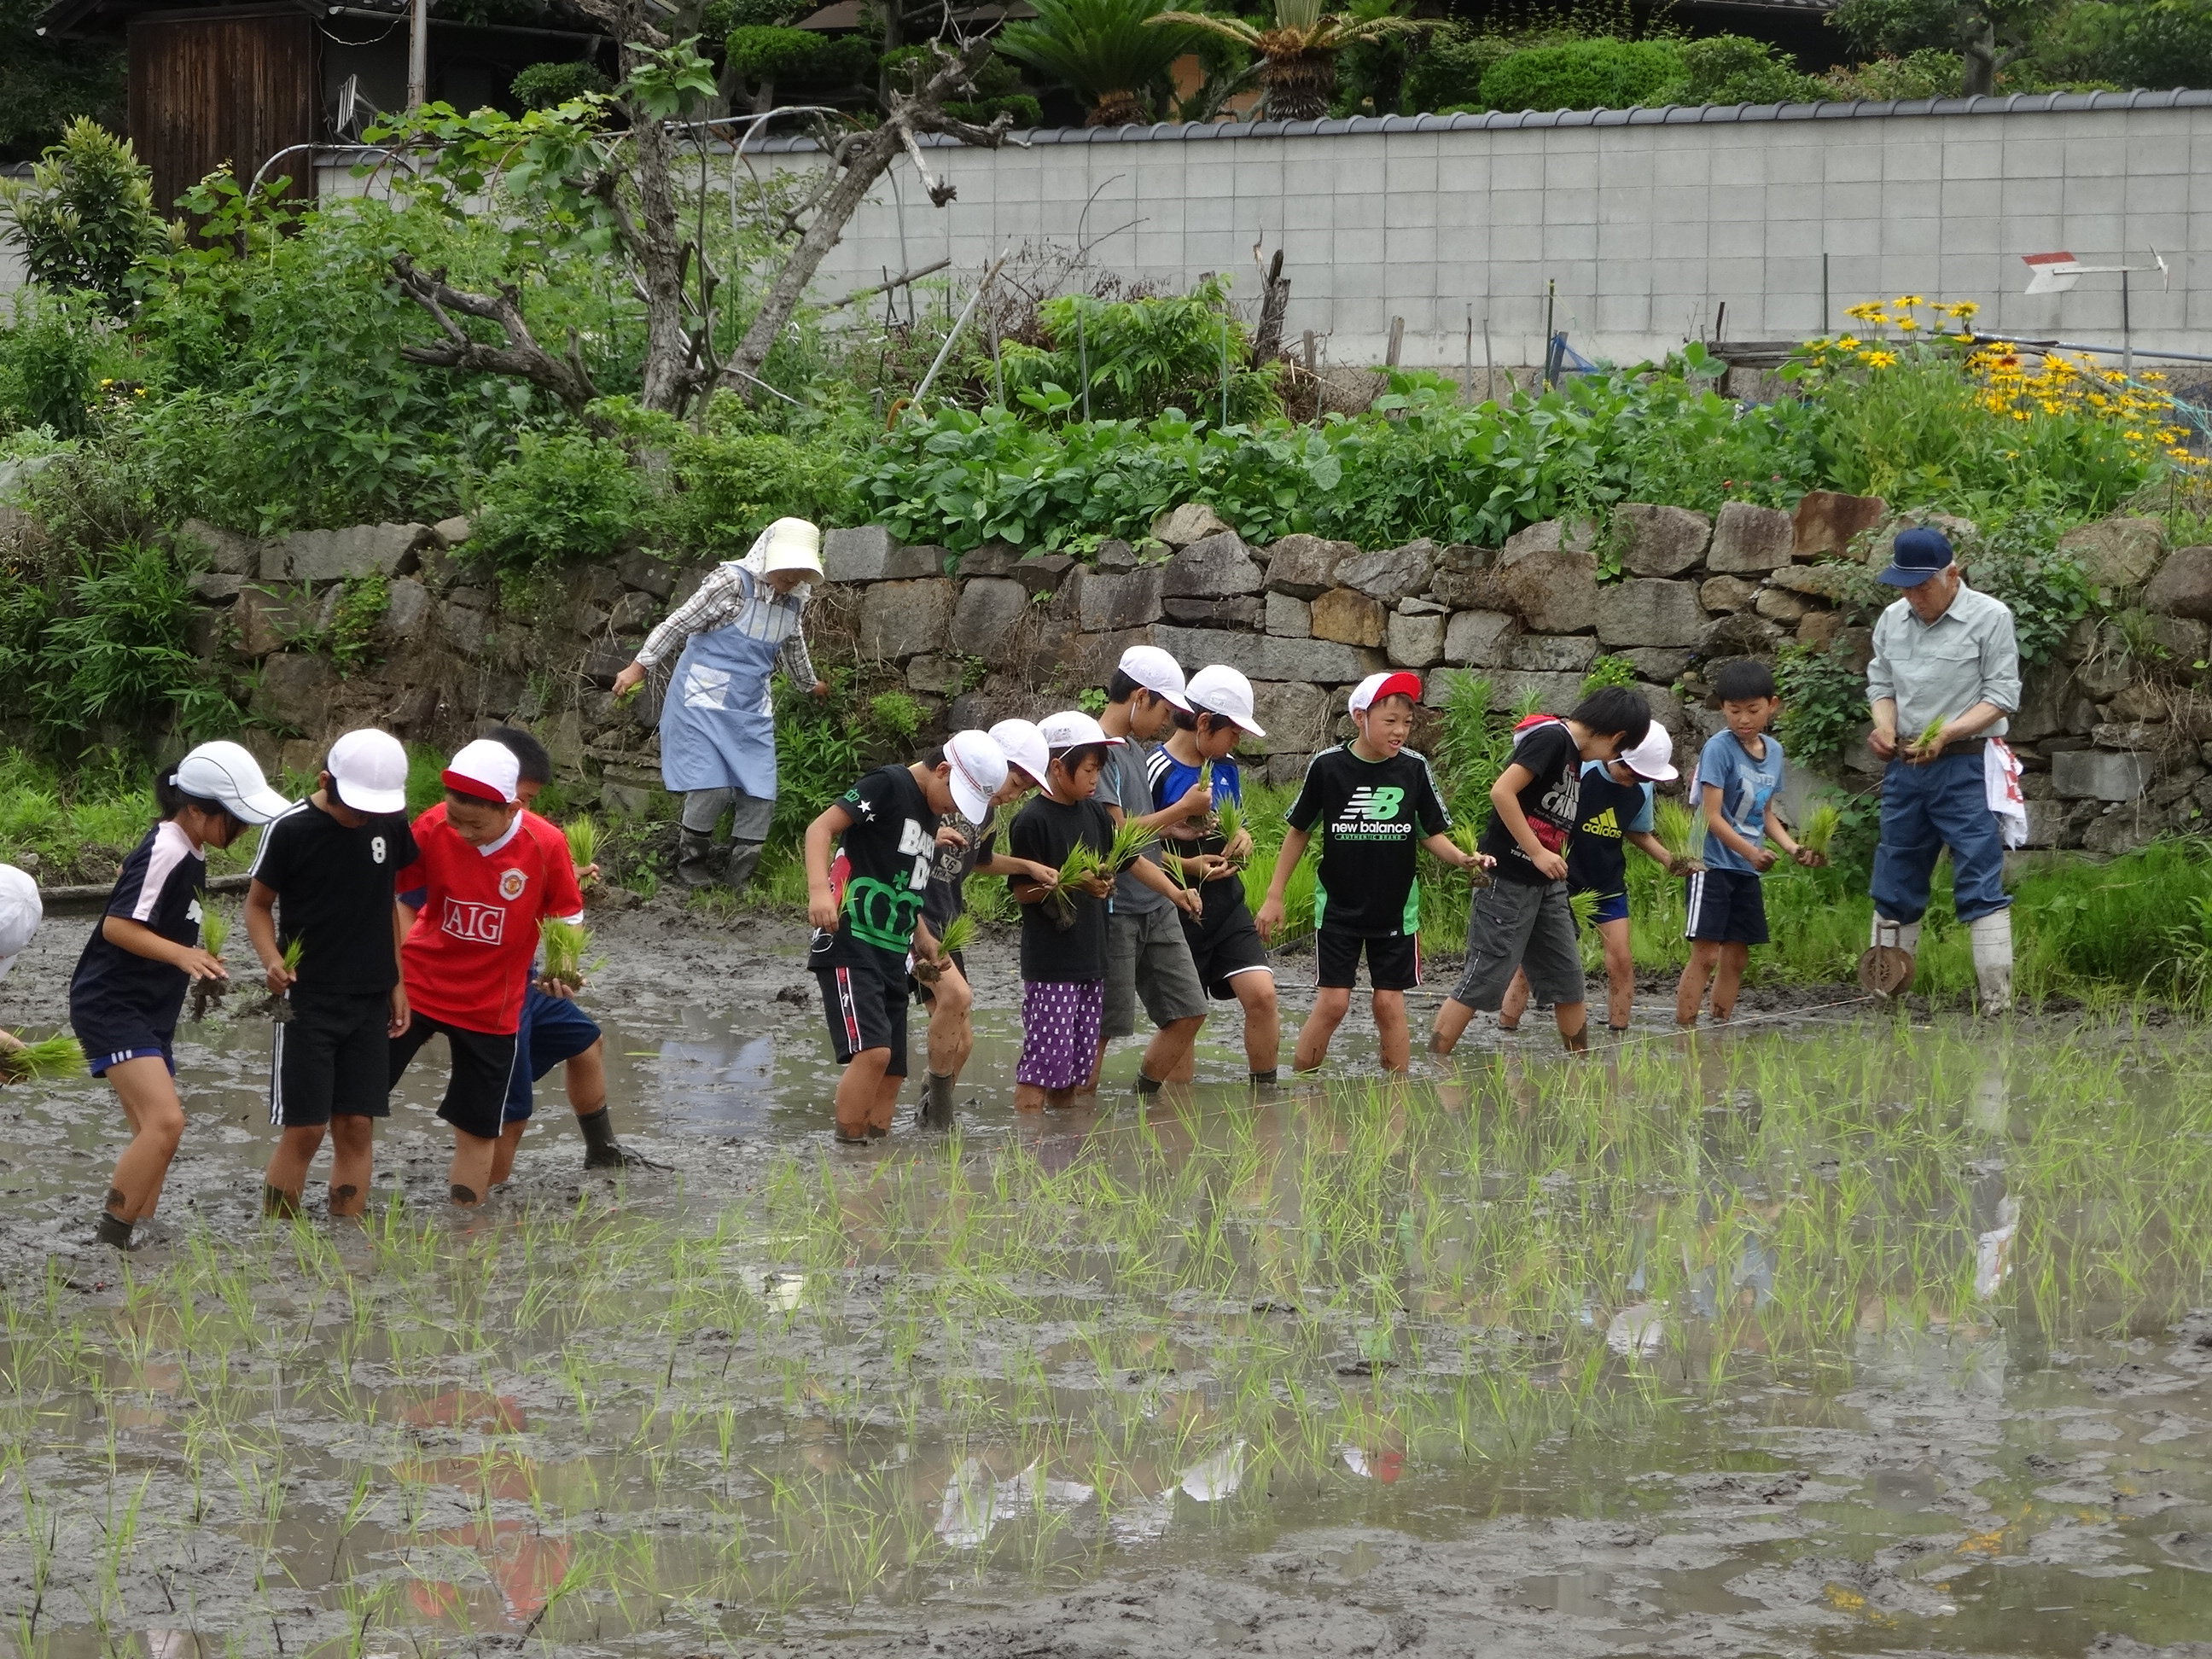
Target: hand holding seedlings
628, 681
1682, 834
1813, 839
278, 1005
1929, 743
583, 834
41, 1062
211, 979
565, 944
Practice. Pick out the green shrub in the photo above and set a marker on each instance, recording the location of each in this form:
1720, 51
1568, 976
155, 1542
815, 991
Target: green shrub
1928, 73
1734, 69
909, 66
563, 496
1602, 74
1145, 357
2018, 560
548, 86
48, 362
85, 217
1447, 72
1823, 702
761, 54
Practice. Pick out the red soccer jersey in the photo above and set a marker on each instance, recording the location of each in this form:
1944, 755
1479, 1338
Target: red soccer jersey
467, 959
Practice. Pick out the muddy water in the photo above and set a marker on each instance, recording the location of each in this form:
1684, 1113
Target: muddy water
1817, 1338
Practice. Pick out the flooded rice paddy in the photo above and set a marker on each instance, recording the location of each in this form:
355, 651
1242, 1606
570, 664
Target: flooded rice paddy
1837, 1338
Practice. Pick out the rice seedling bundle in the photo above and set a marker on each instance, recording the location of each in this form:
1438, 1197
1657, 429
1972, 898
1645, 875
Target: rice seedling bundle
564, 944
279, 1007
959, 933
1680, 831
37, 1062
1930, 731
1172, 863
1081, 863
1820, 829
583, 834
214, 934
1584, 907
1228, 819
1131, 837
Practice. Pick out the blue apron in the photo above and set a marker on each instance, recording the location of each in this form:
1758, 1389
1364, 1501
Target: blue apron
717, 725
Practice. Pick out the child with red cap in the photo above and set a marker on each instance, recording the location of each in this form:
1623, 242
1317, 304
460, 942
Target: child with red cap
1376, 802
477, 889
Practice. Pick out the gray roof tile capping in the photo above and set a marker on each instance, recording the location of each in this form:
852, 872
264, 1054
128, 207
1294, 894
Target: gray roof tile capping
2023, 103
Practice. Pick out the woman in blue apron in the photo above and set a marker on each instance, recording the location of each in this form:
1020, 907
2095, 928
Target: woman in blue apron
717, 721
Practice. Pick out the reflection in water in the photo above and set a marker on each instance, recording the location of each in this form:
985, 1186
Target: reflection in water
723, 1086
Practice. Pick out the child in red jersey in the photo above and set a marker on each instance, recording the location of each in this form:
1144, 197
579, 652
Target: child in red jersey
479, 887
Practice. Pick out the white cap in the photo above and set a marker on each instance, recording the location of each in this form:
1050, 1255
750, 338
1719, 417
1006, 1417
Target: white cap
20, 910
1155, 670
1220, 689
1398, 682
1023, 744
793, 545
979, 769
224, 773
1654, 758
486, 770
368, 770
1071, 729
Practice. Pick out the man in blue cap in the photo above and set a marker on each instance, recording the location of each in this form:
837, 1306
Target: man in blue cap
1945, 673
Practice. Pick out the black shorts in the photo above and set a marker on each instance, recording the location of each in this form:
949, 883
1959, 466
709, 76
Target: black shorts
924, 992
1394, 963
864, 997
1727, 907
1223, 941
483, 1062
331, 1059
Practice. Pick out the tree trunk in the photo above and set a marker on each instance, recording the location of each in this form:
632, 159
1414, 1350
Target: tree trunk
1300, 88
657, 244
1116, 109
1275, 301
1977, 54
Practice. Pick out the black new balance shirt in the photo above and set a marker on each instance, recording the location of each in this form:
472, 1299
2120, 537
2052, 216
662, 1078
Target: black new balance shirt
334, 895
1373, 816
161, 887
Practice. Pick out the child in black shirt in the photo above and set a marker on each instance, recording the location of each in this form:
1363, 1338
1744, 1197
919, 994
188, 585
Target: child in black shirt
864, 908
130, 983
1063, 934
1375, 804
1522, 920
322, 878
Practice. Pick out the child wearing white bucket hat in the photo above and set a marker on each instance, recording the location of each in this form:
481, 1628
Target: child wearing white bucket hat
717, 721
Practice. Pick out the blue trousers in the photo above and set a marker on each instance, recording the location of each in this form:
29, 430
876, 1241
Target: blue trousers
1925, 809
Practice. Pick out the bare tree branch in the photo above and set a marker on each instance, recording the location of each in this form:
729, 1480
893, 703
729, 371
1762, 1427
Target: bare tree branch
521, 356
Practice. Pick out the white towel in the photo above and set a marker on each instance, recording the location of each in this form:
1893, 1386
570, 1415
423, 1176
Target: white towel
2000, 770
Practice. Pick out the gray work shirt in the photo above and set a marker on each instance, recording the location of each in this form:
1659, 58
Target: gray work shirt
1967, 655
1124, 785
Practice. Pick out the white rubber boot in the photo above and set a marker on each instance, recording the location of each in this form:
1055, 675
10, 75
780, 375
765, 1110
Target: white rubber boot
1992, 937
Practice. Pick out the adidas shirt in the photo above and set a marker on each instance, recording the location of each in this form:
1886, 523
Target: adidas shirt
1372, 817
467, 959
1608, 812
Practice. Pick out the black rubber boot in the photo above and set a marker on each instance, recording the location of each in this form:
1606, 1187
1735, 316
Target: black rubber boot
114, 1230
936, 1100
602, 1151
745, 858
695, 857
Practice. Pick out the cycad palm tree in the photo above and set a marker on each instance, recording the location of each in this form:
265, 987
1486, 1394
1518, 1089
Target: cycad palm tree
1107, 49
1297, 54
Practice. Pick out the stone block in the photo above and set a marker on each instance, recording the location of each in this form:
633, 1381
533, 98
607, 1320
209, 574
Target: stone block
1297, 714
647, 574
269, 618
227, 553
213, 587
987, 620
1749, 539
453, 531
1106, 603
597, 586
2047, 823
360, 549
206, 632
1779, 604
1415, 642
1479, 639
1659, 541
1304, 567
1555, 694
634, 613
1347, 617
934, 673
407, 613
1746, 633
1257, 657
1423, 608
1288, 618
1552, 588
1663, 663
1672, 712
464, 626
1553, 535
1179, 527
2183, 586
870, 553
1287, 770
1042, 573
2184, 641
295, 690
1825, 521
1727, 594
1649, 610
1551, 654
994, 558
1241, 611
2139, 701
1395, 574
1115, 556
1830, 584
1819, 629
2117, 552
2098, 774
2121, 829
1213, 568
902, 619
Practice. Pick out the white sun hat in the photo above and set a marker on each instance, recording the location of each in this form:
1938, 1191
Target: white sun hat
1653, 759
224, 773
1220, 689
369, 768
1023, 745
793, 545
979, 772
21, 911
1073, 729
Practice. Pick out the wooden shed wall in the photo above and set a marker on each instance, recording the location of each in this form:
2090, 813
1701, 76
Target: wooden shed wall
223, 86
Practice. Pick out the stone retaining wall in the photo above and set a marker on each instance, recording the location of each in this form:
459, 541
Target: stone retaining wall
2109, 737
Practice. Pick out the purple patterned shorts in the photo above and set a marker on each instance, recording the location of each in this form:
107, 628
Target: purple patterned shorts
1059, 1031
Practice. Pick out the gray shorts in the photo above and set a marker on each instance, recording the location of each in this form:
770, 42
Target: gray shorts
1516, 924
1148, 956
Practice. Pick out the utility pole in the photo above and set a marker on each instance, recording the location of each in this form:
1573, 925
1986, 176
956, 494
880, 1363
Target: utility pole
418, 54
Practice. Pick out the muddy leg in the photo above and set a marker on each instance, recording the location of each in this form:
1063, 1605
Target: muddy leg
504, 1149
857, 1090
1733, 959
1331, 1003
1390, 1026
285, 1183
1453, 1018
1696, 973
471, 1177
1620, 974
353, 1155
1516, 1003
149, 1100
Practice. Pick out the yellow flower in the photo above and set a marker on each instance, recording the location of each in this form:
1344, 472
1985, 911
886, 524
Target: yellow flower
1866, 311
1849, 343
1908, 322
1882, 360
2020, 415
1908, 300
1963, 309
